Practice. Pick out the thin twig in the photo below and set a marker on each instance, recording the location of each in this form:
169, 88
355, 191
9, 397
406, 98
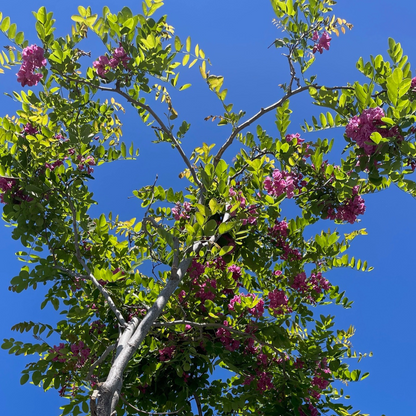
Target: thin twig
91, 277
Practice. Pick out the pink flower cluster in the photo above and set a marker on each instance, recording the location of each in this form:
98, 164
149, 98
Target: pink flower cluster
81, 352
278, 230
279, 233
316, 283
28, 129
86, 163
257, 311
360, 128
313, 411
165, 354
8, 187
119, 57
54, 165
264, 381
97, 327
349, 210
236, 271
60, 357
413, 84
280, 183
323, 43
279, 302
181, 211
206, 290
33, 58
319, 382
225, 337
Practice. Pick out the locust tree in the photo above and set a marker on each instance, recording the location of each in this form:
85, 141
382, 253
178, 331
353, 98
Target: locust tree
218, 273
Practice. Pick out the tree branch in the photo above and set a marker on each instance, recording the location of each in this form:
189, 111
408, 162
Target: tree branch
264, 111
147, 108
100, 359
126, 350
91, 277
198, 405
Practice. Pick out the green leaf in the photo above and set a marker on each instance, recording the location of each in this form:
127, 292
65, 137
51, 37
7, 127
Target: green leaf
188, 44
41, 15
289, 8
12, 31
77, 18
184, 87
36, 377
226, 226
5, 24
20, 38
123, 149
24, 379
178, 44
214, 206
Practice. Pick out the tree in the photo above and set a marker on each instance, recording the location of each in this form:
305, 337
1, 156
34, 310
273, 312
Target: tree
227, 277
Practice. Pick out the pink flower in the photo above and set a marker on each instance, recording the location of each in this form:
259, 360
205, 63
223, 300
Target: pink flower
278, 301
181, 211
299, 283
280, 183
236, 271
100, 65
60, 357
119, 56
323, 43
33, 58
360, 128
166, 353
34, 55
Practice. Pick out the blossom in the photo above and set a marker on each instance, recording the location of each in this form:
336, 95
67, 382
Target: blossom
33, 58
236, 271
349, 210
119, 55
166, 353
280, 183
360, 128
100, 65
413, 84
323, 43
34, 54
278, 301
299, 283
86, 163
224, 335
181, 211
60, 357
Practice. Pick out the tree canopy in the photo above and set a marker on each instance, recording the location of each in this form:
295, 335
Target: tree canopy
222, 272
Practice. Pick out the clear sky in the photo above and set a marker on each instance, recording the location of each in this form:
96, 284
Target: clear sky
235, 35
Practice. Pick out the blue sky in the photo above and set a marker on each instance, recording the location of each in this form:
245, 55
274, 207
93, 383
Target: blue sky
235, 34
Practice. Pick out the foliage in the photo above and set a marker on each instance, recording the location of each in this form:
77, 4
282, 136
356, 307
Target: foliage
215, 275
